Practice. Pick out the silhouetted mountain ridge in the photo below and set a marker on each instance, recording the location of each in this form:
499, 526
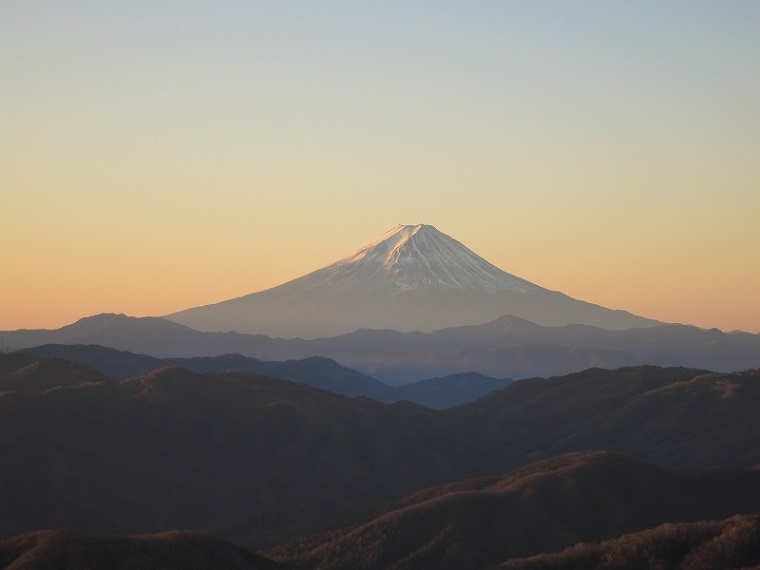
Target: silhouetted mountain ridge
255, 459
627, 411
238, 454
505, 348
411, 278
24, 373
314, 371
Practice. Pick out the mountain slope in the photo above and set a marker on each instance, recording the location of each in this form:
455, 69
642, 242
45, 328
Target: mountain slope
313, 371
673, 417
240, 455
167, 551
411, 278
729, 544
255, 459
26, 374
541, 507
449, 391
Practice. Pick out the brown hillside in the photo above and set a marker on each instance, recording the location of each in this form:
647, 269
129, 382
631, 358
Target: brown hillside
238, 455
59, 550
675, 417
28, 374
542, 507
259, 460
706, 545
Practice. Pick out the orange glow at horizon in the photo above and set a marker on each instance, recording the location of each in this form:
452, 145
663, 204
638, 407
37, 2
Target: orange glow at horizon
609, 153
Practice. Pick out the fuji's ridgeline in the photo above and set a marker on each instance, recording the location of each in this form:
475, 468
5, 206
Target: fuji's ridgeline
411, 278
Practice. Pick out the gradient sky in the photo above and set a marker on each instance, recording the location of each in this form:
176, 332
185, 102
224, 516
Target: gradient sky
158, 155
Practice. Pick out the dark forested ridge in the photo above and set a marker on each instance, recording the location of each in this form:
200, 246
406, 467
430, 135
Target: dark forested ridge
542, 507
22, 373
259, 460
675, 417
239, 455
60, 550
319, 372
728, 544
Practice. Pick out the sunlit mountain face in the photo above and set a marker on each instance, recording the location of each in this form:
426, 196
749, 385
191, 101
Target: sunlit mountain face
413, 277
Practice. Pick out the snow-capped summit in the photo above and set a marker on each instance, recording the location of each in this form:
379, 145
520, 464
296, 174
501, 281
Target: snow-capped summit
416, 256
413, 277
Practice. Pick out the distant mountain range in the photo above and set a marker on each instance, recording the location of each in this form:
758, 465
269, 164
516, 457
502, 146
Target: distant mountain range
412, 278
443, 392
508, 347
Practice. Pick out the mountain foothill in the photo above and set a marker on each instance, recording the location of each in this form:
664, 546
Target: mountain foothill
455, 416
260, 461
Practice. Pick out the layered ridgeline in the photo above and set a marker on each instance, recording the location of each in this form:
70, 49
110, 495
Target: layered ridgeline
541, 508
411, 278
506, 347
258, 460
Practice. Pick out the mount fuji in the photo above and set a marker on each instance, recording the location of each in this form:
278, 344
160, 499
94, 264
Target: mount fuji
412, 278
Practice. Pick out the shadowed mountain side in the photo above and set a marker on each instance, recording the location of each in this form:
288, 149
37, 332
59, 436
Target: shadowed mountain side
315, 371
115, 364
728, 544
176, 550
521, 361
542, 507
29, 374
449, 391
505, 348
256, 459
674, 417
239, 455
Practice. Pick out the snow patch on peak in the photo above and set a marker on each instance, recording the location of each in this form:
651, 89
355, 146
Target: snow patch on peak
411, 256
